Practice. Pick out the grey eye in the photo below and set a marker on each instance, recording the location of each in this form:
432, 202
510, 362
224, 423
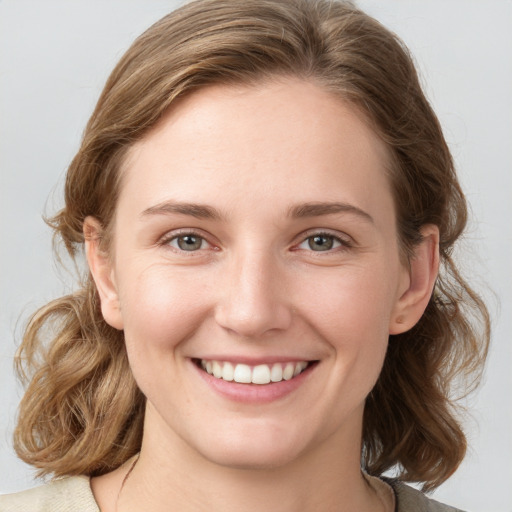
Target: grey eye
188, 242
320, 242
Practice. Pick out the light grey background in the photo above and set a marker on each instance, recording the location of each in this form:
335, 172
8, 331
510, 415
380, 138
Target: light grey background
54, 59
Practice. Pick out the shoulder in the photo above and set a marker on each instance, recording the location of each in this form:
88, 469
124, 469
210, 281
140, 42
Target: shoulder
64, 495
410, 500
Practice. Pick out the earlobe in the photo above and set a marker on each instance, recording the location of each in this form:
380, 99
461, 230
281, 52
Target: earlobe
101, 270
423, 270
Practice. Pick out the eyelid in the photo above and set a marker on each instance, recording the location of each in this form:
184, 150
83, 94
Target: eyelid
345, 241
176, 233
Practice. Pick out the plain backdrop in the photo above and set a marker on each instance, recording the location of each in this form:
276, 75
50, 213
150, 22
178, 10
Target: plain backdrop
54, 58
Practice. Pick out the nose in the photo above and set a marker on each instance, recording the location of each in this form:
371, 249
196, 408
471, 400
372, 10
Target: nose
254, 300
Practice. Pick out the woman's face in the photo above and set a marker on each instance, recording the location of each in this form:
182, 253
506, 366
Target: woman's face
255, 238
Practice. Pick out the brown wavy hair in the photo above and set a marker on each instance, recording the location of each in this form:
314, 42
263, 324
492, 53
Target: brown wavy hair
82, 412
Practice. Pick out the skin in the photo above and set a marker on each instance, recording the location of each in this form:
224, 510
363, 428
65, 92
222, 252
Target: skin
256, 288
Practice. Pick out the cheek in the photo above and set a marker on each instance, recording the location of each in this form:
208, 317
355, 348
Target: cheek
350, 304
160, 308
351, 313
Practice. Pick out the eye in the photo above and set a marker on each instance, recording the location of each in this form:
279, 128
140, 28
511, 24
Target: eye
321, 242
188, 242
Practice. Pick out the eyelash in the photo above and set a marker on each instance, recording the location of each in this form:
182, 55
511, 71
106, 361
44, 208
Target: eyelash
340, 244
175, 236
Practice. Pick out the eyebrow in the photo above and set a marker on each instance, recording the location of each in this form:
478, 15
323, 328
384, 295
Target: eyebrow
318, 209
199, 211
300, 211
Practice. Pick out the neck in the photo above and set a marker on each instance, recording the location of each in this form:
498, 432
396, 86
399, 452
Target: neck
171, 475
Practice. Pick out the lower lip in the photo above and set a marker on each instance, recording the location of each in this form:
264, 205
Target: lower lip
254, 393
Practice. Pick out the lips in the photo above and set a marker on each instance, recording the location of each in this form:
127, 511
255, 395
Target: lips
261, 374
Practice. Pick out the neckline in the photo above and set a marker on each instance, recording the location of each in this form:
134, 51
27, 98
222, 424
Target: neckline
385, 491
382, 486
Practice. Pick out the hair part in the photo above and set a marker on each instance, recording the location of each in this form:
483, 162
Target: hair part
82, 412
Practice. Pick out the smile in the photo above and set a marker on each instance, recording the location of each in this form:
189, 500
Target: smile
246, 374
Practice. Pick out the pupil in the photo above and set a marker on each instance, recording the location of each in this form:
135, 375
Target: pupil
321, 243
189, 242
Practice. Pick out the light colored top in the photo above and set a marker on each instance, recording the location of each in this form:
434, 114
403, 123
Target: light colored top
74, 494
384, 492
71, 494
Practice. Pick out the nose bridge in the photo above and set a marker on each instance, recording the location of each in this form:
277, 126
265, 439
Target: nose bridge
253, 299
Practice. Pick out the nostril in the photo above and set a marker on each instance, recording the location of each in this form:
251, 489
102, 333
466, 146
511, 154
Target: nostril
253, 320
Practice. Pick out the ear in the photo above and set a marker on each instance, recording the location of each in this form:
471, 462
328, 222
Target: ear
100, 266
422, 274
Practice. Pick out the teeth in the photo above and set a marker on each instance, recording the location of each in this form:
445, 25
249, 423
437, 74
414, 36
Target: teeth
228, 372
242, 374
217, 369
276, 374
260, 374
288, 371
299, 368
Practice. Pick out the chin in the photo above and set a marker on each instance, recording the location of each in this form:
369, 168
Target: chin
253, 450
251, 459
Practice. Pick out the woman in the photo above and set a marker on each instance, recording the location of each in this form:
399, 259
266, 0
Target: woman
268, 208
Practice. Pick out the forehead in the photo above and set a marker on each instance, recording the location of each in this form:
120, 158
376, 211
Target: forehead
292, 136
